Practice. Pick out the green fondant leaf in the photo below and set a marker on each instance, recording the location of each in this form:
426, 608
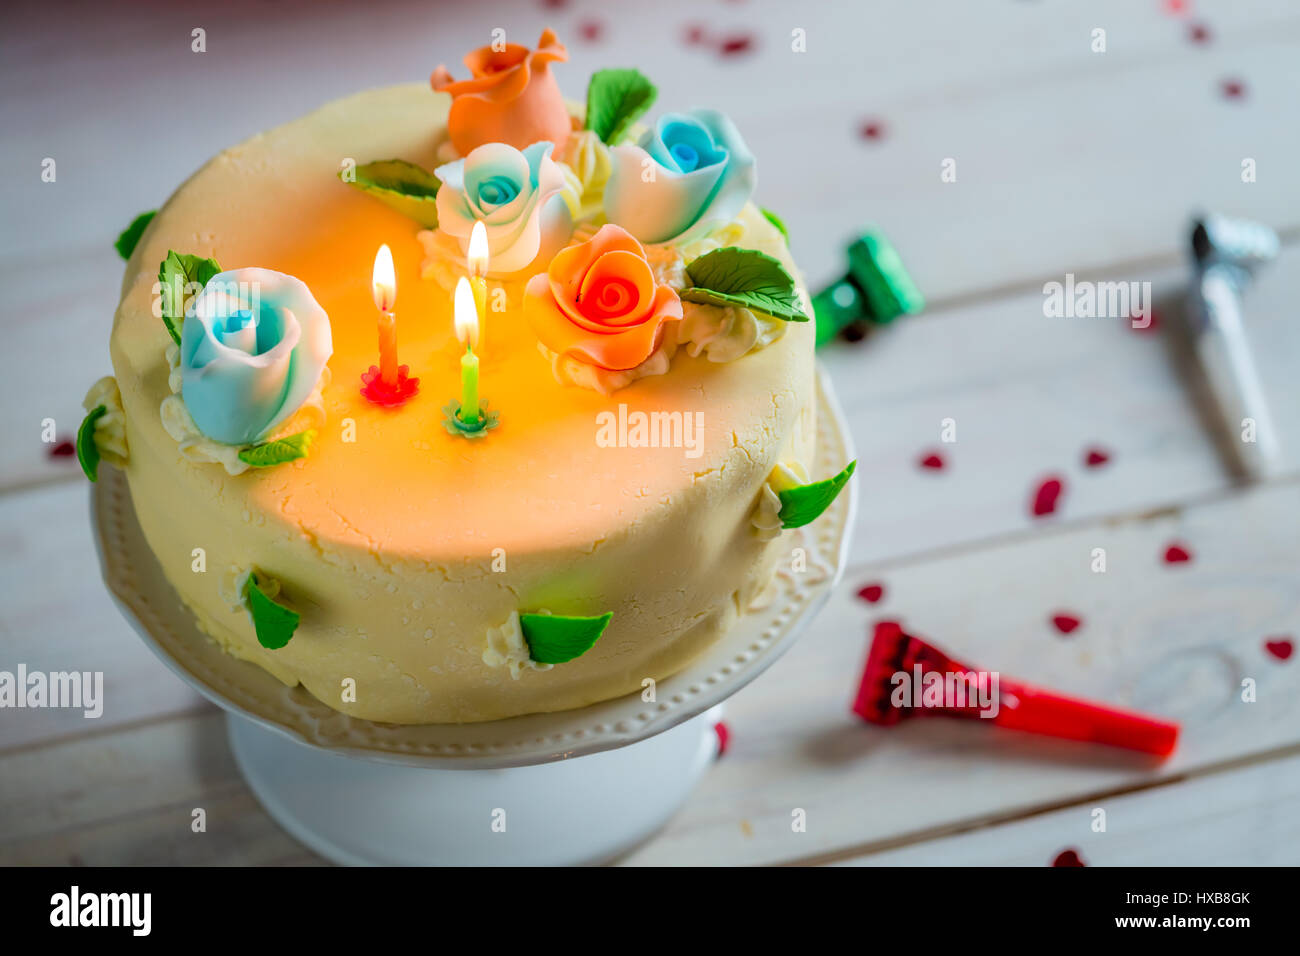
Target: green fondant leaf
130, 236
87, 450
279, 451
747, 278
615, 98
805, 504
555, 638
399, 185
176, 272
777, 221
273, 622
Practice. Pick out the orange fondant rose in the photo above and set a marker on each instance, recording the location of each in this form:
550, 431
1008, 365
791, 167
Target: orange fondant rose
599, 302
511, 97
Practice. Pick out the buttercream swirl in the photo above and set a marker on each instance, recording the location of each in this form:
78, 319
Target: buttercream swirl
766, 518
569, 371
588, 159
506, 647
110, 428
724, 334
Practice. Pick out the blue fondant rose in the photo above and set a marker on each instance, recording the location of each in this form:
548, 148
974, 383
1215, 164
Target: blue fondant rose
690, 172
518, 195
252, 349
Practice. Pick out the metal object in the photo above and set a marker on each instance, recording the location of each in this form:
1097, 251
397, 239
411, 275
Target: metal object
1227, 253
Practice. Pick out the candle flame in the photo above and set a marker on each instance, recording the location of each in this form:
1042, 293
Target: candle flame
465, 313
477, 257
383, 283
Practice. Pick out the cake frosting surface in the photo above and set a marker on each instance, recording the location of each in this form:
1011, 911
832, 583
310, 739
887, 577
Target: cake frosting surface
407, 550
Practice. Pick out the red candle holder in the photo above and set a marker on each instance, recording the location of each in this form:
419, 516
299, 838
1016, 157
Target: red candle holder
379, 392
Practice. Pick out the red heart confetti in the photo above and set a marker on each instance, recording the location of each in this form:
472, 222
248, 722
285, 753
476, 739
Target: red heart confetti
1233, 89
1280, 647
1176, 7
555, 4
1046, 495
1144, 326
1198, 33
64, 449
1095, 457
872, 593
1065, 623
696, 34
1068, 858
590, 30
736, 44
724, 736
934, 461
1177, 554
872, 130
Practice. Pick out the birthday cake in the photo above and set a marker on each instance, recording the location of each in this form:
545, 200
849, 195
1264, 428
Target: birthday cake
541, 457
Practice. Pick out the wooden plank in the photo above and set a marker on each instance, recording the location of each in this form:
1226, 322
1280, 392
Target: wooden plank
1245, 817
56, 615
1175, 640
147, 782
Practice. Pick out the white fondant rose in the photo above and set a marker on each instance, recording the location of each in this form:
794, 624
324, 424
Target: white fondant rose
253, 346
519, 197
691, 172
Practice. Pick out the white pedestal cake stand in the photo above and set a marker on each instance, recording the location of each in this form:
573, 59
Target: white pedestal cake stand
505, 792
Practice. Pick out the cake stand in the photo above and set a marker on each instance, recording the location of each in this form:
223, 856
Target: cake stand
580, 786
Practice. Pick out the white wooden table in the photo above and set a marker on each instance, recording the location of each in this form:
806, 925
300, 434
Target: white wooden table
1068, 161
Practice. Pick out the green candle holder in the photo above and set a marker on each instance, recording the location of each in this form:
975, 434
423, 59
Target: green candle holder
488, 419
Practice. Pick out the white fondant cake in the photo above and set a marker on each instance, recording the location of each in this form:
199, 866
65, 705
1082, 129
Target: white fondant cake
409, 552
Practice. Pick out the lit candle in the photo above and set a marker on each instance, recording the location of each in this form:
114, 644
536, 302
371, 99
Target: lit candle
383, 287
477, 260
466, 323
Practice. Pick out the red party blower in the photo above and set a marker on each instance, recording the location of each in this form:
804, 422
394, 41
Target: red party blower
906, 677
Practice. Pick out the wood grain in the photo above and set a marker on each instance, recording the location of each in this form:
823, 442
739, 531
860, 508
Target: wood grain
1242, 817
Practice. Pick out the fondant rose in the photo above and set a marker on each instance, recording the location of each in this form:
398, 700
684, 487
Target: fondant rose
253, 346
519, 196
691, 171
599, 302
511, 97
